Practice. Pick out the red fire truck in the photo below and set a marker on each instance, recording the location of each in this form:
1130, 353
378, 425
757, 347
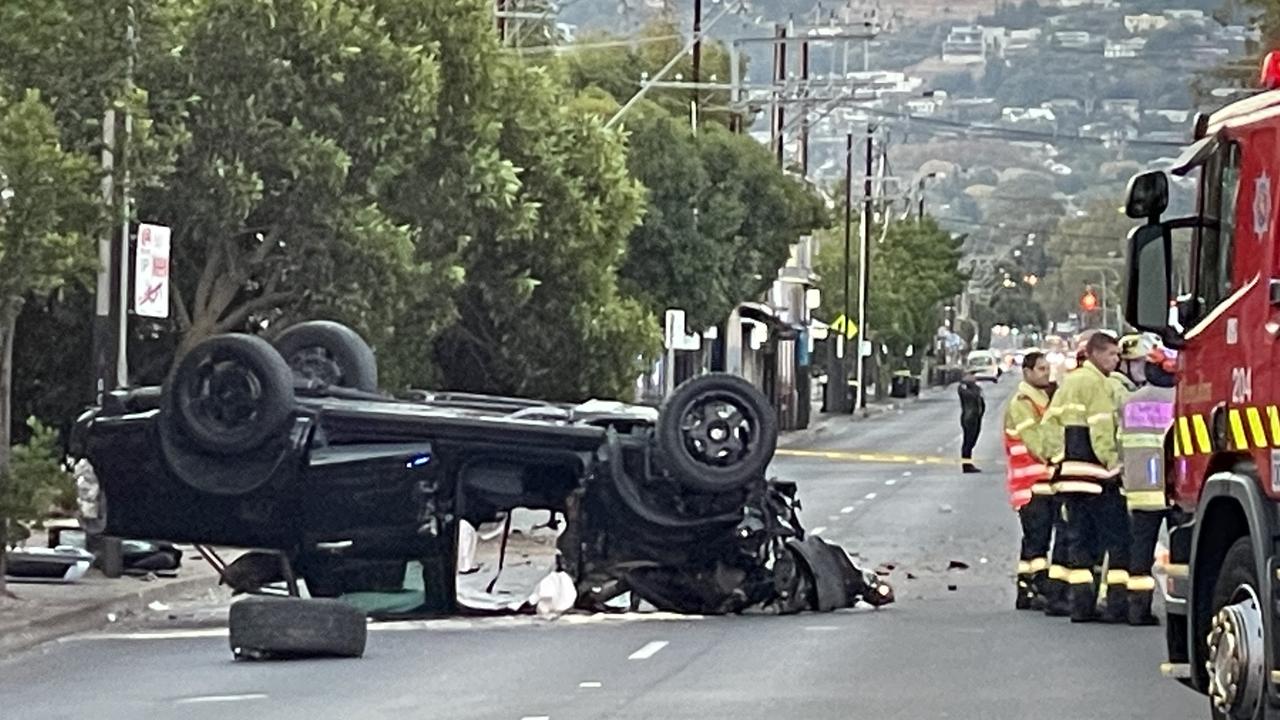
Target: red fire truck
1219, 305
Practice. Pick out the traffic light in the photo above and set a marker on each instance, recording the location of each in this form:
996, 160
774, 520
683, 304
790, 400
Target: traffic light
1088, 301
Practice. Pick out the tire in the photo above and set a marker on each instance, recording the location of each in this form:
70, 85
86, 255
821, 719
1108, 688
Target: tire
700, 459
264, 628
329, 354
1238, 572
230, 394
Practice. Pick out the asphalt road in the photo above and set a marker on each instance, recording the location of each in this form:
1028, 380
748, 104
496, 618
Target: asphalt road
887, 488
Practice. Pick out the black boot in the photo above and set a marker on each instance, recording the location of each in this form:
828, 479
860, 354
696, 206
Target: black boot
1140, 610
1056, 601
1084, 603
1117, 609
1026, 593
970, 468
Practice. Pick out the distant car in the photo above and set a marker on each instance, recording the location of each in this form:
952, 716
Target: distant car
984, 364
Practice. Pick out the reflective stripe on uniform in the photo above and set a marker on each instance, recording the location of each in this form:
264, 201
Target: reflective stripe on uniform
1057, 572
1145, 499
1035, 470
1020, 496
1117, 577
1077, 486
1080, 469
1024, 567
1039, 564
1141, 440
1099, 417
1025, 424
1079, 577
1019, 449
1042, 488
1141, 583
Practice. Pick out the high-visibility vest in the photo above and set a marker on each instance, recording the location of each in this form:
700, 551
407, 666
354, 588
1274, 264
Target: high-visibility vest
1145, 418
1080, 432
1027, 476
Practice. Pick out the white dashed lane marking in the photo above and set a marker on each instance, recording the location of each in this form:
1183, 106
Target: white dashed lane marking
648, 650
846, 509
818, 530
220, 698
590, 684
871, 496
891, 482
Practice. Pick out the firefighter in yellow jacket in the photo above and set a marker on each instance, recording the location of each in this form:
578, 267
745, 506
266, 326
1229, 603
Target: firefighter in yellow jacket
1030, 492
1080, 436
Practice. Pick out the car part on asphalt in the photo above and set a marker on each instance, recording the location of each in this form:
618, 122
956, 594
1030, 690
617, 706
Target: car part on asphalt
716, 432
230, 394
264, 628
329, 354
364, 494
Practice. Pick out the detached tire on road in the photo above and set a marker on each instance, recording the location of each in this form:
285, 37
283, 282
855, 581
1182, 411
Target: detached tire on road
329, 353
264, 628
230, 394
716, 433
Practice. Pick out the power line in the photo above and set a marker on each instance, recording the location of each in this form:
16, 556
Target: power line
998, 131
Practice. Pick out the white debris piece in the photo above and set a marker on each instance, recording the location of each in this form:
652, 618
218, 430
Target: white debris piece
468, 540
157, 606
554, 595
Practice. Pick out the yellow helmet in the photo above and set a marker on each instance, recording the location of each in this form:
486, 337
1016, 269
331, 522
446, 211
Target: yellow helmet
1132, 347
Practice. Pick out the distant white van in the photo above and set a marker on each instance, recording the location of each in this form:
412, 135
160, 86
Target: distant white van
985, 364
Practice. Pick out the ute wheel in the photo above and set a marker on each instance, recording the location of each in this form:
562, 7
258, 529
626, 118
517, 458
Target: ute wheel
264, 628
330, 354
230, 394
716, 433
1236, 649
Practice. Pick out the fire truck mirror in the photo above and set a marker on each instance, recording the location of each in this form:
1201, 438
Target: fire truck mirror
1147, 306
1147, 196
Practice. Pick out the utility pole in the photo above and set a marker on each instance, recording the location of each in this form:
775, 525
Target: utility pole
103, 349
842, 372
122, 343
780, 76
804, 109
697, 51
864, 267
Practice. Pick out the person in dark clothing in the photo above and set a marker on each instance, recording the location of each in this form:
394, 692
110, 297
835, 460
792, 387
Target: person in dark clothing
972, 408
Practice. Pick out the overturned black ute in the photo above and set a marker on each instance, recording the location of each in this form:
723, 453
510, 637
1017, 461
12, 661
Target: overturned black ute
289, 446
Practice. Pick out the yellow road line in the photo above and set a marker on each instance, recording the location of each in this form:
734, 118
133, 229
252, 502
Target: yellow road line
867, 457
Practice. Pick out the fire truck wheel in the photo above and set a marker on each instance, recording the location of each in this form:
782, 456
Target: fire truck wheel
329, 354
1236, 647
230, 394
716, 433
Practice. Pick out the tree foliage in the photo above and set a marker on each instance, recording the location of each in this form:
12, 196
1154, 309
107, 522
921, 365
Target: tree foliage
48, 210
1085, 251
915, 269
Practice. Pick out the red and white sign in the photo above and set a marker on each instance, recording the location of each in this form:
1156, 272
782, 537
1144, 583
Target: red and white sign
151, 272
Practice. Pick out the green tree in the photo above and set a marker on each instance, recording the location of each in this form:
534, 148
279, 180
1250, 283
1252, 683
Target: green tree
48, 209
915, 268
541, 313
1085, 251
720, 217
303, 117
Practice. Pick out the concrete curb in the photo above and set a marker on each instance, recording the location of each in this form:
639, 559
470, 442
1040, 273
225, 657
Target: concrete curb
94, 616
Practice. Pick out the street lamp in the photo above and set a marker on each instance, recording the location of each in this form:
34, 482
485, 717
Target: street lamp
920, 209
